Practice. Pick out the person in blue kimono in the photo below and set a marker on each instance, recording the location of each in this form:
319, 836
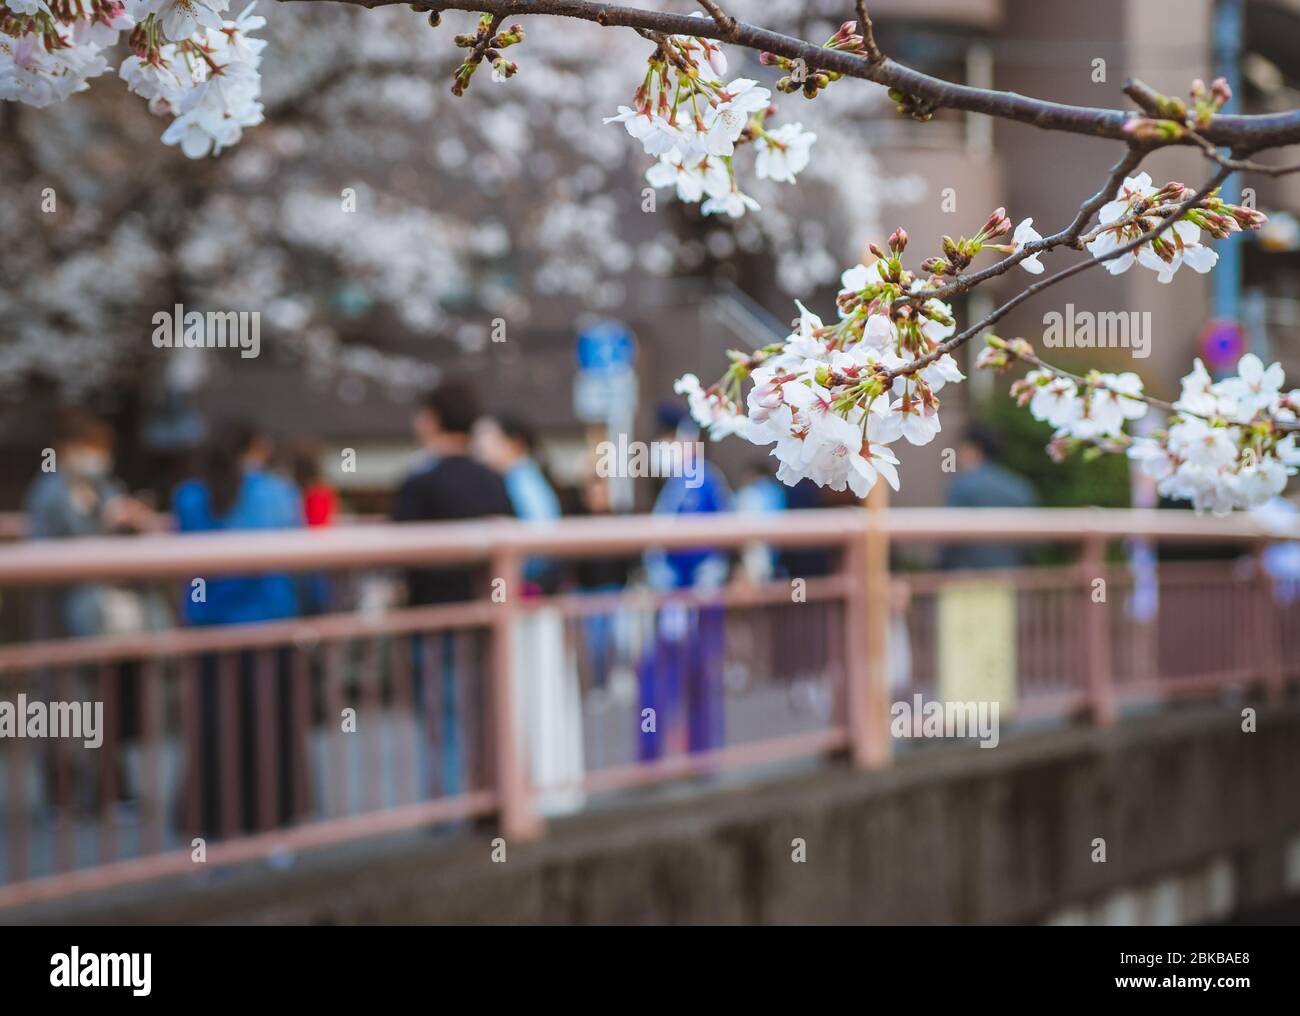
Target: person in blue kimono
680, 676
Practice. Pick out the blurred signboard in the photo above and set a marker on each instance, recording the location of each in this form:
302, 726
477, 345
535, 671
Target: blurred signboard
600, 397
977, 643
605, 386
607, 347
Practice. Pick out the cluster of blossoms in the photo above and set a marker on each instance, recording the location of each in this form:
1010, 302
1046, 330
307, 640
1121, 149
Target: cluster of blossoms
208, 80
691, 122
187, 60
1226, 447
1228, 444
831, 398
1139, 208
49, 49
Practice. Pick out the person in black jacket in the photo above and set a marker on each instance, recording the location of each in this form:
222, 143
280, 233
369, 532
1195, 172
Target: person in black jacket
447, 484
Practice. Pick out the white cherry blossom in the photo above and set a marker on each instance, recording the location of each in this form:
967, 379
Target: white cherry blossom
783, 153
1025, 233
179, 19
1255, 387
734, 203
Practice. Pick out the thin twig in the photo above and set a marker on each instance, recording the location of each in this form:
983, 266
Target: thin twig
1079, 379
868, 32
1244, 165
1144, 96
725, 21
1068, 237
1283, 426
1131, 160
961, 338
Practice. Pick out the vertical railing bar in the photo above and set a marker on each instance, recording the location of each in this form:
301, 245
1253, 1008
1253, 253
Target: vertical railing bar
151, 721
833, 621
1096, 627
229, 694
108, 762
192, 737
470, 708
301, 728
518, 819
66, 811
19, 804
404, 747
268, 698
869, 682
431, 671
372, 734
337, 776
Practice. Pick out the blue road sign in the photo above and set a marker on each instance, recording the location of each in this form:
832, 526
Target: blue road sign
606, 347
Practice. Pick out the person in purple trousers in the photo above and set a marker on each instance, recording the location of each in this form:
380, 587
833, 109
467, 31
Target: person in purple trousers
680, 675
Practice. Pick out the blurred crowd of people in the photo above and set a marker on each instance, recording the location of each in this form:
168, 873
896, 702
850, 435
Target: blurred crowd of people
469, 466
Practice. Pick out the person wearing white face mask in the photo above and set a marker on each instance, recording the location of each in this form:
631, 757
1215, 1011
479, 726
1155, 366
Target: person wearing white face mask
75, 494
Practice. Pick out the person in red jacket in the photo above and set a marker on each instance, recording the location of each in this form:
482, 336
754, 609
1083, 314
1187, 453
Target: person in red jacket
319, 500
319, 506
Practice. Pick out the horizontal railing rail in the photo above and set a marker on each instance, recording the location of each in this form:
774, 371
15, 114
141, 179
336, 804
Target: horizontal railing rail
458, 543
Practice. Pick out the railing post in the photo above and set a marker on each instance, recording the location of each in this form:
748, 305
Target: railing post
1099, 663
868, 664
518, 820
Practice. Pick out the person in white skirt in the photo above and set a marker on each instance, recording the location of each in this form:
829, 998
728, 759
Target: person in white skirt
547, 695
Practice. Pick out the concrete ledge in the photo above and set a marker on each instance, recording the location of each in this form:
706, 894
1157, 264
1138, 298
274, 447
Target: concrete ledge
950, 834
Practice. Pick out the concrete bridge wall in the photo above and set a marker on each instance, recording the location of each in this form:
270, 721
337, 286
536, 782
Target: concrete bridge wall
1199, 820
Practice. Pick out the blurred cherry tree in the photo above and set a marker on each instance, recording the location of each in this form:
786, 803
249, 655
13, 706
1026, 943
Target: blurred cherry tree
372, 203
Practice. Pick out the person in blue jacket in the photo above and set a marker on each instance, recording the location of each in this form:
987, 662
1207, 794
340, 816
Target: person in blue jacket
682, 670
237, 491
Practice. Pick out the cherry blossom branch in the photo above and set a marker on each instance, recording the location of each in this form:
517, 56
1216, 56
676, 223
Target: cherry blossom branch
1132, 159
1027, 250
961, 338
1067, 237
1033, 359
1243, 134
1144, 97
1017, 351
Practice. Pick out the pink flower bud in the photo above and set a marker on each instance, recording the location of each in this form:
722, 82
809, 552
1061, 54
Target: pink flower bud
1248, 218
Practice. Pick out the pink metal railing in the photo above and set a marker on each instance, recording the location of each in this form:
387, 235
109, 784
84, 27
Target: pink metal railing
235, 733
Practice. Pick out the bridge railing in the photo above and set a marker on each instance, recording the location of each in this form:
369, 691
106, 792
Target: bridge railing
241, 742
